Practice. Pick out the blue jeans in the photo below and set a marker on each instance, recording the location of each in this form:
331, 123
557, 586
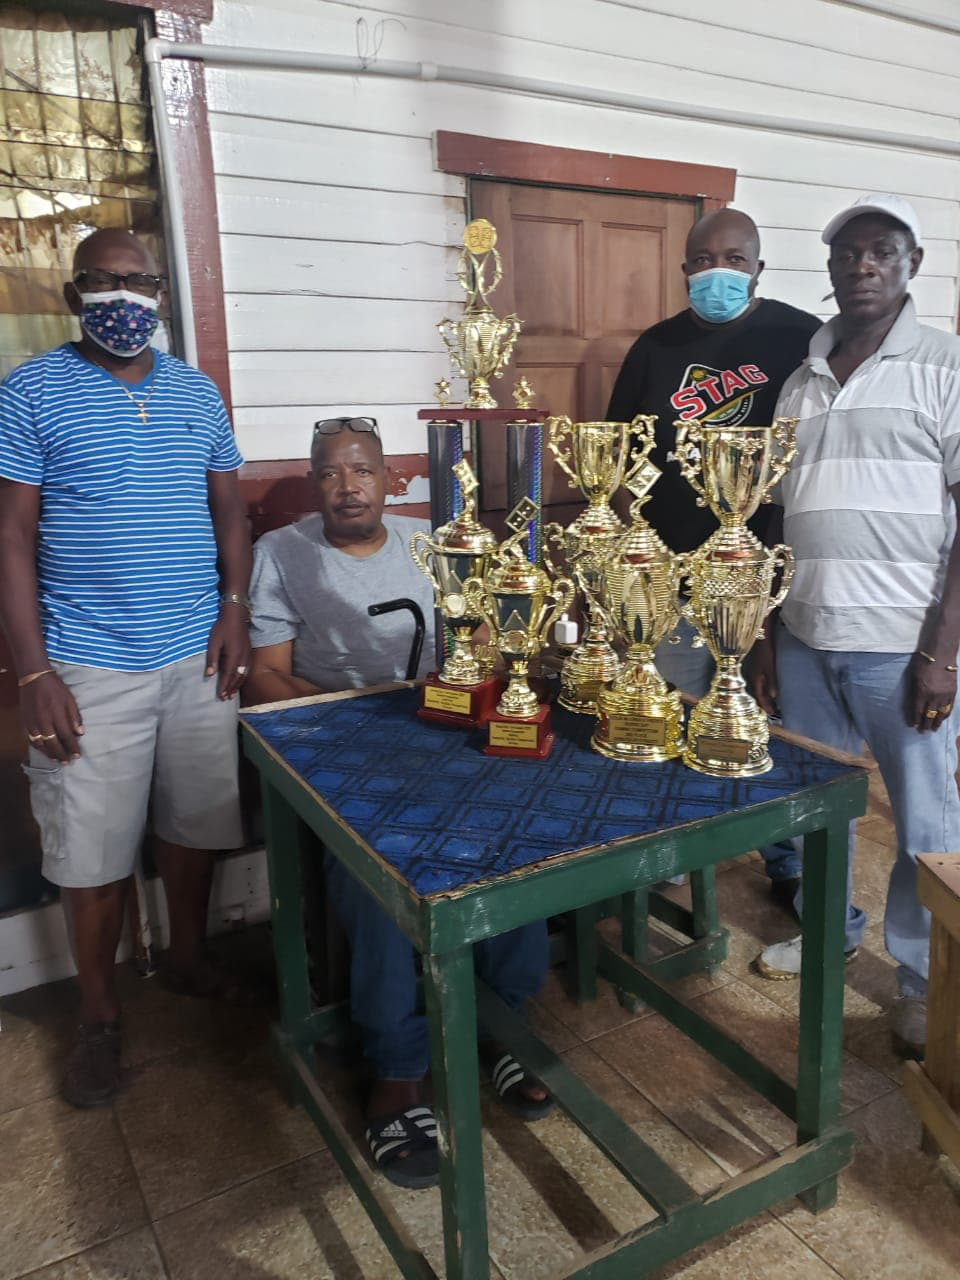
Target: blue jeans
680, 664
383, 980
846, 700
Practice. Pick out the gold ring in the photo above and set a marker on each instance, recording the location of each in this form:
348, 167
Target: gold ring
47, 737
945, 711
931, 714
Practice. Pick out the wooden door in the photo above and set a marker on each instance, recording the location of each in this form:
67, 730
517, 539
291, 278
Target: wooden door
586, 272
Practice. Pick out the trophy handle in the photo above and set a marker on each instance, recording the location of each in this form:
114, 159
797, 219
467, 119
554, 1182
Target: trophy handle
447, 330
509, 332
557, 428
561, 593
421, 553
785, 434
681, 561
552, 532
640, 441
784, 561
475, 600
688, 434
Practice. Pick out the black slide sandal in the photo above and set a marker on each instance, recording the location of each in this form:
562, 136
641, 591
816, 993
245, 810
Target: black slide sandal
414, 1131
508, 1078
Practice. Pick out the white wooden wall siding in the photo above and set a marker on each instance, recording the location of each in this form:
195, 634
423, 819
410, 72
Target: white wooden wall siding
339, 238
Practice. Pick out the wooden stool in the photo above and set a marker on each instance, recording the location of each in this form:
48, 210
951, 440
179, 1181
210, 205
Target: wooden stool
934, 1086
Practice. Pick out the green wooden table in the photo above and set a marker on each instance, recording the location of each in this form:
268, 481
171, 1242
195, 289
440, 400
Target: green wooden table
458, 847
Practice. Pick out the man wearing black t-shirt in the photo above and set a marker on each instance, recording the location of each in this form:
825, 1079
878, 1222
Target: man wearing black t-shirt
723, 360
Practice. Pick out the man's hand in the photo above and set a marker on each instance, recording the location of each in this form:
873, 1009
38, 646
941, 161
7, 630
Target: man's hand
762, 676
228, 650
51, 718
933, 691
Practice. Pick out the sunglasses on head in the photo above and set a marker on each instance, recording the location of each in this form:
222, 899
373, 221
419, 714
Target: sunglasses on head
333, 426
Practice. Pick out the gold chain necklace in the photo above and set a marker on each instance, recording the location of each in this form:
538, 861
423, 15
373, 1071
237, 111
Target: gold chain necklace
141, 405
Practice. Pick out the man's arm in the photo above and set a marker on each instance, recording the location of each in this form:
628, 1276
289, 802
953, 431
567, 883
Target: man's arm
271, 678
933, 686
228, 650
47, 706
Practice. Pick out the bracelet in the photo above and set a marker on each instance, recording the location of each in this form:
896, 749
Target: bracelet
947, 666
35, 675
234, 597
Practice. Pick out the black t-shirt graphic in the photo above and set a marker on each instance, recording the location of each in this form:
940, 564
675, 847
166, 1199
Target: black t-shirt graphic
727, 376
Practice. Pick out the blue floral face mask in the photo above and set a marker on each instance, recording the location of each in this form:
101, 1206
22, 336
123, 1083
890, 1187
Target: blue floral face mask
719, 294
121, 322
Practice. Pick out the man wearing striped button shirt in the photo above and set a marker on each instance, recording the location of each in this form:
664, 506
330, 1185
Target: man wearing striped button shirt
867, 647
125, 563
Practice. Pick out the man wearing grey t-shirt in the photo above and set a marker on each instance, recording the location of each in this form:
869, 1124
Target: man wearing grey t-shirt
311, 633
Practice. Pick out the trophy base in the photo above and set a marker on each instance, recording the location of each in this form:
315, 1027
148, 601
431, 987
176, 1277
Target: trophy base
458, 706
529, 739
644, 732
727, 746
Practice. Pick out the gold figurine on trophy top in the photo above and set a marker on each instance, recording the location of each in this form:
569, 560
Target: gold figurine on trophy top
523, 393
442, 391
480, 343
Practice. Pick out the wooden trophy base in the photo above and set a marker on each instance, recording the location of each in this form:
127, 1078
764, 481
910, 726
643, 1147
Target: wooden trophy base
458, 706
530, 739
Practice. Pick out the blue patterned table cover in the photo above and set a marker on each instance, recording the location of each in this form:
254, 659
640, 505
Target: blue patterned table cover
433, 806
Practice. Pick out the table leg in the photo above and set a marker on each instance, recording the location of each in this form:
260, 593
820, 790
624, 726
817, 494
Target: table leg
582, 954
451, 998
634, 924
284, 834
821, 994
703, 895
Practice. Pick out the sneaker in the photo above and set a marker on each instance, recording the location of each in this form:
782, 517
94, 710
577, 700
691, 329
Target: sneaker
92, 1076
908, 1026
781, 961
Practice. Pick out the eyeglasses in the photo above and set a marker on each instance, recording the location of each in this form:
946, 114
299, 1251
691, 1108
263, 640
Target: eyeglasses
333, 426
97, 280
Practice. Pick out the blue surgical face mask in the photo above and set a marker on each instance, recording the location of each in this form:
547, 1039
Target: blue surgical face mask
719, 295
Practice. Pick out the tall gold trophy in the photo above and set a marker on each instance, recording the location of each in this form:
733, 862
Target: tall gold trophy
640, 717
731, 584
479, 343
519, 603
597, 457
463, 692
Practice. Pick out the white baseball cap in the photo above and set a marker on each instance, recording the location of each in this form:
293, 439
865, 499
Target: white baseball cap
892, 206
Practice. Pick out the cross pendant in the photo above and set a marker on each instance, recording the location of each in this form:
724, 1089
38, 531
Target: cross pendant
143, 414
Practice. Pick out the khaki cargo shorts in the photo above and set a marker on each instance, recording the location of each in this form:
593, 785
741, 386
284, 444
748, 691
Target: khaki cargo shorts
160, 735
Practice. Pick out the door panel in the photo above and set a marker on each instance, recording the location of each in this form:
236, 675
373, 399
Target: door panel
586, 272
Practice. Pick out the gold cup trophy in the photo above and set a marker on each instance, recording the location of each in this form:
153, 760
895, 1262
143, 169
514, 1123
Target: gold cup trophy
731, 584
639, 716
464, 691
597, 457
519, 603
479, 343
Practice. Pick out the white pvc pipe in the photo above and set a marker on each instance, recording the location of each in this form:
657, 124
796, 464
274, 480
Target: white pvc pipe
284, 60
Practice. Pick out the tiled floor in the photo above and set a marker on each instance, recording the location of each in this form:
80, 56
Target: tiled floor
201, 1172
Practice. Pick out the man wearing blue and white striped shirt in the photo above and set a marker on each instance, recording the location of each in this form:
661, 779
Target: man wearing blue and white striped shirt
125, 562
867, 649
